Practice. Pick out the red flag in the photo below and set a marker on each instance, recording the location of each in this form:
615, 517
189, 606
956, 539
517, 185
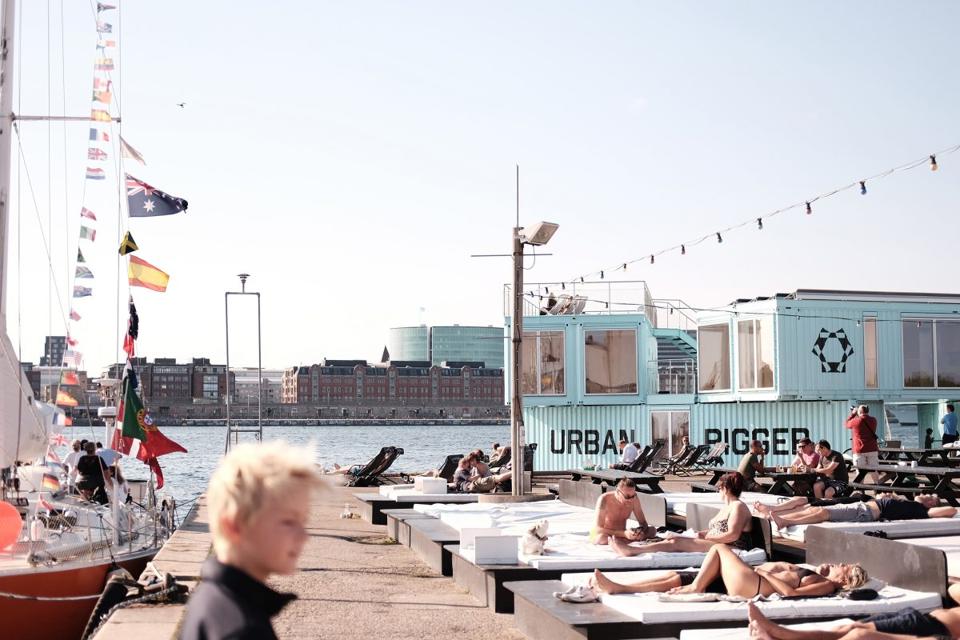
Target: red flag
155, 467
128, 345
69, 377
71, 341
157, 445
74, 315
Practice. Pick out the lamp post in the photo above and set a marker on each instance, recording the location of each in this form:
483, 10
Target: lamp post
537, 235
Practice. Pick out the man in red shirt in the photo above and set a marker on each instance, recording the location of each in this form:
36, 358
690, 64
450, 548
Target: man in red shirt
866, 451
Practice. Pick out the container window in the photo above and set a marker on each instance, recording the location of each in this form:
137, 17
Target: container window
610, 357
870, 378
948, 353
542, 363
713, 357
755, 353
918, 353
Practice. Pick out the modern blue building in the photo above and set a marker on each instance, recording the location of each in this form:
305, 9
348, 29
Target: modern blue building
448, 343
774, 369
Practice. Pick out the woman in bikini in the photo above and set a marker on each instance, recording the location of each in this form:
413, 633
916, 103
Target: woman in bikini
731, 526
740, 579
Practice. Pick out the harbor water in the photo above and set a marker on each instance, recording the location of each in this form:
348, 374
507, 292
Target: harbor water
186, 474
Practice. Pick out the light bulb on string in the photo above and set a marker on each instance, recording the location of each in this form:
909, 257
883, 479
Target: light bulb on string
933, 163
863, 187
809, 209
651, 258
858, 323
719, 237
760, 224
683, 250
624, 266
671, 309
582, 280
601, 275
563, 286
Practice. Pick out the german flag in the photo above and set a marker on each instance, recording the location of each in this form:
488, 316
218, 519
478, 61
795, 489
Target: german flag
51, 483
143, 274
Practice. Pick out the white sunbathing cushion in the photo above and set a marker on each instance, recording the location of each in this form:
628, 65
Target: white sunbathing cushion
893, 529
743, 633
575, 551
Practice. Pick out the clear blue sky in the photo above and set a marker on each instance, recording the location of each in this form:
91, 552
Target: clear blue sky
351, 155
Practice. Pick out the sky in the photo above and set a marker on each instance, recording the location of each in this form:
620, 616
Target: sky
352, 156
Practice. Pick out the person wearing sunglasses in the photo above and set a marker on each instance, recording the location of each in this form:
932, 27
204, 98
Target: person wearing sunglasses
614, 509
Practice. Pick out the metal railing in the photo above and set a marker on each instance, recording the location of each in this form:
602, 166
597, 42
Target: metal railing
674, 376
592, 297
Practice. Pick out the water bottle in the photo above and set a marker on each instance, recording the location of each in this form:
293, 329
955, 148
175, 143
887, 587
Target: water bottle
37, 529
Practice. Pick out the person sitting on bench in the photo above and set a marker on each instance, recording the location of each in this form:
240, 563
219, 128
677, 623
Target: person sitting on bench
883, 507
740, 579
613, 510
731, 526
628, 453
905, 623
472, 477
834, 469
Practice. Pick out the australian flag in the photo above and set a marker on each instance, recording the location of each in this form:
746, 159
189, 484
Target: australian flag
144, 201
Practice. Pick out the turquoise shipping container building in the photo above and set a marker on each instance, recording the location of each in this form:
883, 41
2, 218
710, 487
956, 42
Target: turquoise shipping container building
597, 367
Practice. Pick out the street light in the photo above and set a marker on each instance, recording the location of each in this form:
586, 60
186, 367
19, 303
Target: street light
536, 235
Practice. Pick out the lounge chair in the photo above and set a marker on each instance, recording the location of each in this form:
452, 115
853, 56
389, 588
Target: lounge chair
715, 457
690, 465
369, 474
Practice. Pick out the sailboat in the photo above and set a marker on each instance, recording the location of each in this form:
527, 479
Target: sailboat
56, 549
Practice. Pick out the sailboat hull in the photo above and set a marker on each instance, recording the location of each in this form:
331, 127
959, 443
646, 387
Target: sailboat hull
56, 619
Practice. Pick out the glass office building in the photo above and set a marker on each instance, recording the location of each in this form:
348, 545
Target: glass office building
454, 343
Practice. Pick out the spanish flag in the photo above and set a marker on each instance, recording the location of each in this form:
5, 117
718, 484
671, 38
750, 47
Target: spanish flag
143, 274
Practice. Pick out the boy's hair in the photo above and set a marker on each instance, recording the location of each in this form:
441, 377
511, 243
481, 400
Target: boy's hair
250, 477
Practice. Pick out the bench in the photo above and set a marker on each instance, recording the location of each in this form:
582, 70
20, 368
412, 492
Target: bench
703, 487
883, 488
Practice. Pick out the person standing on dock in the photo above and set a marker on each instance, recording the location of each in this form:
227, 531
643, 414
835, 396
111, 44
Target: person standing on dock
866, 449
949, 422
258, 503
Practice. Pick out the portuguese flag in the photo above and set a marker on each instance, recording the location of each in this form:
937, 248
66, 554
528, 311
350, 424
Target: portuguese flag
133, 412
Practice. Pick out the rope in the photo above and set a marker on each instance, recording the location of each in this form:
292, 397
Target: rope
21, 596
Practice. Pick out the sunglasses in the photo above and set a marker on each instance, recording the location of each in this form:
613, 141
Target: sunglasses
628, 496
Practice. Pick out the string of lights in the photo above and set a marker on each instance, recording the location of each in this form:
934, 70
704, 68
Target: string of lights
806, 205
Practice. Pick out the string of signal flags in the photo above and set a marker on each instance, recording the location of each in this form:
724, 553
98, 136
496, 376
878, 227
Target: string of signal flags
805, 205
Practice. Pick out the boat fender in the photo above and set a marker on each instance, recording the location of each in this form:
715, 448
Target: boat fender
119, 581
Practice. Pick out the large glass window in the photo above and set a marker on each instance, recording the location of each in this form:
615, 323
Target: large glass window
610, 357
542, 363
755, 353
713, 355
948, 353
918, 353
669, 426
870, 353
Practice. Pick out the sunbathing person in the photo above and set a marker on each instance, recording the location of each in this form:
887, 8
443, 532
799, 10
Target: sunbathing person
906, 623
731, 526
883, 507
613, 510
740, 579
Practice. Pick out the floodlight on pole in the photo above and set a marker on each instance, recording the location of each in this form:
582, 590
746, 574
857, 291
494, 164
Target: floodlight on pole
536, 235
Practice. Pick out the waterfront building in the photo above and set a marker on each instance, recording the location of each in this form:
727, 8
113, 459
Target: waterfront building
248, 390
53, 349
448, 343
775, 369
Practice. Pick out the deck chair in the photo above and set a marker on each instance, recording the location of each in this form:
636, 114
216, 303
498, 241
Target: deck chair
449, 467
667, 465
652, 454
369, 474
715, 457
690, 465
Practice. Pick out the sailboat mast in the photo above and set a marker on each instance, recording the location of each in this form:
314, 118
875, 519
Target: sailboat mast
6, 142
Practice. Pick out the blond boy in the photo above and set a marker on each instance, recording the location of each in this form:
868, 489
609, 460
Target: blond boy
258, 504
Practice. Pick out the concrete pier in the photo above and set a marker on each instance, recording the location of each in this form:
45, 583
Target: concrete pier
353, 582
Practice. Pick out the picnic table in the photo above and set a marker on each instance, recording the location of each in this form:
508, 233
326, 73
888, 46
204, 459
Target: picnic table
784, 482
922, 456
937, 480
612, 477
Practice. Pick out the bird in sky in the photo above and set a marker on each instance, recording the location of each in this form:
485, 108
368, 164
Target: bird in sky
181, 104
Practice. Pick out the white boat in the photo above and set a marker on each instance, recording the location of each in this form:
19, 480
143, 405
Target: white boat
51, 577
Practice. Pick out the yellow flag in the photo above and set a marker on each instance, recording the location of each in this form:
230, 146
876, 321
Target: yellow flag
100, 115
